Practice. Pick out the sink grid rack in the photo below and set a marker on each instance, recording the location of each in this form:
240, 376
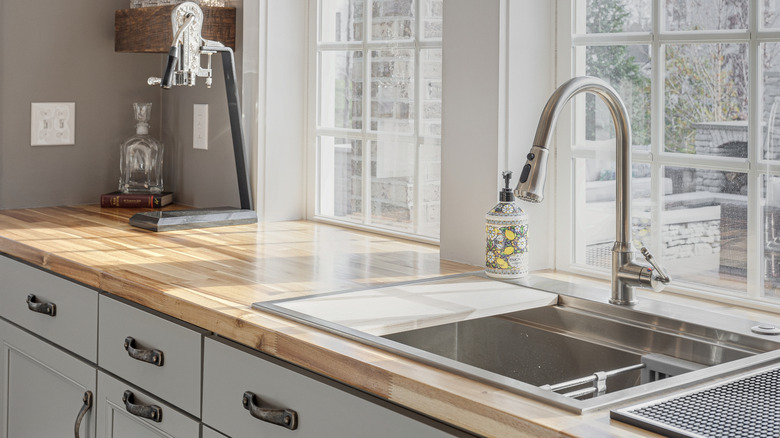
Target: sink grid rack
744, 406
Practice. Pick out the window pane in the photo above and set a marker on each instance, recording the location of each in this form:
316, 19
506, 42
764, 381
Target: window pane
770, 134
594, 197
430, 188
771, 220
341, 20
771, 13
432, 14
392, 20
611, 16
392, 184
341, 89
392, 90
340, 175
706, 90
627, 69
706, 14
430, 71
704, 227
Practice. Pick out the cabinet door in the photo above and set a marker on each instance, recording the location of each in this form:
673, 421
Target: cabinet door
317, 410
43, 388
124, 412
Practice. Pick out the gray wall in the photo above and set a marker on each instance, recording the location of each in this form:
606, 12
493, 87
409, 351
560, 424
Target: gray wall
54, 51
202, 178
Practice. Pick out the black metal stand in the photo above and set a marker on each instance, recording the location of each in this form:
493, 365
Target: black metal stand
220, 216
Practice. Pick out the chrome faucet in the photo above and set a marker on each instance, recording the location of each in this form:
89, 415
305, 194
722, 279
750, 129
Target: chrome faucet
626, 272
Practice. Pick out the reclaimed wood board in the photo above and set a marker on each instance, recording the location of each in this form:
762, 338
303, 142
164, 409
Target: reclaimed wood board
149, 30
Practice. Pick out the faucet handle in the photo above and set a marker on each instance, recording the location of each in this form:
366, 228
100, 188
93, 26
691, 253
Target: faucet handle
658, 278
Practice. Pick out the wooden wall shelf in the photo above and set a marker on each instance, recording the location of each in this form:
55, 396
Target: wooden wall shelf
148, 30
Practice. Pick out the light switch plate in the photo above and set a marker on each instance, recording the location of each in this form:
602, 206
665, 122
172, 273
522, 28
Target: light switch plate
52, 123
200, 126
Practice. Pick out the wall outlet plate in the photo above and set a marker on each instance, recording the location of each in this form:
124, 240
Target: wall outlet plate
52, 123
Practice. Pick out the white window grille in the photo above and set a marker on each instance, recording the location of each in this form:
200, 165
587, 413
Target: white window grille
701, 80
378, 117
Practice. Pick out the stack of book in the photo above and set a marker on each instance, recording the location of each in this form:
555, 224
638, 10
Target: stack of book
137, 200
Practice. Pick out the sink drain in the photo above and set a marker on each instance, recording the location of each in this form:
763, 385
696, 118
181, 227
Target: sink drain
765, 329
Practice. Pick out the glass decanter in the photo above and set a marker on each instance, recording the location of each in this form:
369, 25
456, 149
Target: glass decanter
141, 157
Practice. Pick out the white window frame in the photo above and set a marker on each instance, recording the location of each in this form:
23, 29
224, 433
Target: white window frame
657, 158
365, 134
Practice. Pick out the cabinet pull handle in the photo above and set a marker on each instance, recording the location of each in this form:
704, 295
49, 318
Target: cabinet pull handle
280, 417
87, 399
45, 308
151, 412
154, 357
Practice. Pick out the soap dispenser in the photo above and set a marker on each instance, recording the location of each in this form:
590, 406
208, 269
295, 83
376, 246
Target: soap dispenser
506, 253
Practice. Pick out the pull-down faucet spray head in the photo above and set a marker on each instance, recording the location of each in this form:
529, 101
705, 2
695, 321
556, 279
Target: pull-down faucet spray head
530, 186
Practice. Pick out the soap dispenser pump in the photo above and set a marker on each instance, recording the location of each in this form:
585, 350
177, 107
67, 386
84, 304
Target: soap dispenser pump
506, 253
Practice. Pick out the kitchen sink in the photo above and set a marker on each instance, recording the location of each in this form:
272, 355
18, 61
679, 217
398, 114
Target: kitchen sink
541, 347
581, 353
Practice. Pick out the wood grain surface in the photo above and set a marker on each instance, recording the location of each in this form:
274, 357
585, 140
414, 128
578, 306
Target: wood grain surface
210, 277
149, 30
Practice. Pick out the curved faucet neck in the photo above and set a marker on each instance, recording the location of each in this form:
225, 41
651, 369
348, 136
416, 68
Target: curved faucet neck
548, 119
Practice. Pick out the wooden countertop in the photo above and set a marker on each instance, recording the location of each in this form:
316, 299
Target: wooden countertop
210, 278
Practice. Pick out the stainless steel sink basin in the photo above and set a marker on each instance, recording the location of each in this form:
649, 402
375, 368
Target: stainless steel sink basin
591, 353
538, 346
581, 353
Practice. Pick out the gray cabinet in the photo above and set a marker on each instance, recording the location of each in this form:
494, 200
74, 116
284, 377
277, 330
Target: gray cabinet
54, 308
201, 385
43, 388
317, 409
211, 433
125, 411
160, 356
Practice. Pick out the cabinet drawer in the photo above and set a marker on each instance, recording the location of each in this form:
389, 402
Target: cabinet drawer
322, 411
74, 321
175, 374
123, 411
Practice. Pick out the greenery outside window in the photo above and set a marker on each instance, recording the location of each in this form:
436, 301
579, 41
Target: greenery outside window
378, 123
701, 80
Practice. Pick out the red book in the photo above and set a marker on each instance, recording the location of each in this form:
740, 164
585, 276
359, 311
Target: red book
128, 200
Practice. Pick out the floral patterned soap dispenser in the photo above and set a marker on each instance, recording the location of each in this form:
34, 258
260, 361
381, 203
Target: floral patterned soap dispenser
506, 254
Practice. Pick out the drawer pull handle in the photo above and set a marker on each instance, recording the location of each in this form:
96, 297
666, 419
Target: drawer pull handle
87, 399
154, 357
45, 308
280, 417
151, 412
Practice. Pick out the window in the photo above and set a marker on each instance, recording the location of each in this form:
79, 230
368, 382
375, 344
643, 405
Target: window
378, 124
701, 81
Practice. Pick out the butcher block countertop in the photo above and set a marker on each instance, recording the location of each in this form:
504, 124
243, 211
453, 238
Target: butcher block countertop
211, 277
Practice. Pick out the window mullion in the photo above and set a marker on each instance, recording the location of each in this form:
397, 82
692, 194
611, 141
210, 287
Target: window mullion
689, 37
754, 211
367, 59
657, 131
416, 183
